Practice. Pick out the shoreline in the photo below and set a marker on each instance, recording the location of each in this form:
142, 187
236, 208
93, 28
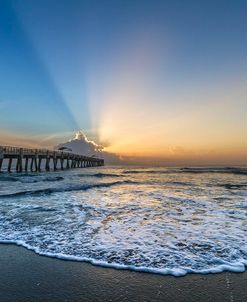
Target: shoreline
164, 272
26, 276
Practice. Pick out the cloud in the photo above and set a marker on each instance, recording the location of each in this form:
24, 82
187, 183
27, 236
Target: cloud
80, 144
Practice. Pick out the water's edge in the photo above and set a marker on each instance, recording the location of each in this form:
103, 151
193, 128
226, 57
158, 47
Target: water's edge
238, 268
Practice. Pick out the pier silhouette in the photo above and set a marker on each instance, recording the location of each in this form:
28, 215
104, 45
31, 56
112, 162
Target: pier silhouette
25, 159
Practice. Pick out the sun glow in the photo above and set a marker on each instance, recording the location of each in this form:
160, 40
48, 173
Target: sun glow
137, 114
135, 121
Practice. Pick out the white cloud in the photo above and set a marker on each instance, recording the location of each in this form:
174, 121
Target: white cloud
80, 144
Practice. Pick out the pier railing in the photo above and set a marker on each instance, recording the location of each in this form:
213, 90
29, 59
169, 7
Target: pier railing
31, 159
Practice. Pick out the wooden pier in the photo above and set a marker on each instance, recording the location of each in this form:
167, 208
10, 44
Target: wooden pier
23, 159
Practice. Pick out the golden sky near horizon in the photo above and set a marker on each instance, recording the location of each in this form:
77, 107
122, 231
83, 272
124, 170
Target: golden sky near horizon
209, 127
204, 123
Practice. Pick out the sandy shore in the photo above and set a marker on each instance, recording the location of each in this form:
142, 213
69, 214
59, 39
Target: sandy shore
26, 276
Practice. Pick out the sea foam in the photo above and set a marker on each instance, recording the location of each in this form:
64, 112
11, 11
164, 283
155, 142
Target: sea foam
167, 223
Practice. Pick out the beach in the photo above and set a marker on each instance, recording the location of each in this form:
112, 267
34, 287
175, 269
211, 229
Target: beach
26, 276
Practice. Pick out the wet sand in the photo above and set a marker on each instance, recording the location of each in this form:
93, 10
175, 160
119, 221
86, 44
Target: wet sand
25, 276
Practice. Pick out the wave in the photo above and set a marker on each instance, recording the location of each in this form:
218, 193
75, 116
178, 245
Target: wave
84, 187
8, 178
138, 171
25, 178
99, 175
233, 186
56, 178
178, 183
149, 171
158, 227
236, 267
227, 170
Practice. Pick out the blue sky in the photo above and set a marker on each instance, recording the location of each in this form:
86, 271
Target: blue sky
57, 57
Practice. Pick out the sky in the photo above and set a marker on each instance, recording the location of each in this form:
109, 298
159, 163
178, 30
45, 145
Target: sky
162, 81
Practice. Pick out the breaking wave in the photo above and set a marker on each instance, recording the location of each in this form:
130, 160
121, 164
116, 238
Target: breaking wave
157, 220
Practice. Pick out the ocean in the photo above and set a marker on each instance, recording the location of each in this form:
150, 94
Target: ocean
159, 220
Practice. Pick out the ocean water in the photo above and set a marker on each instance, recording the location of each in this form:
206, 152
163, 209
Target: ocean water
161, 220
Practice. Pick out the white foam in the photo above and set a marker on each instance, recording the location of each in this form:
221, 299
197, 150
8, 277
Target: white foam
170, 224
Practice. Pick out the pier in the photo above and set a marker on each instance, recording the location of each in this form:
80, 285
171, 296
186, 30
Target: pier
24, 159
